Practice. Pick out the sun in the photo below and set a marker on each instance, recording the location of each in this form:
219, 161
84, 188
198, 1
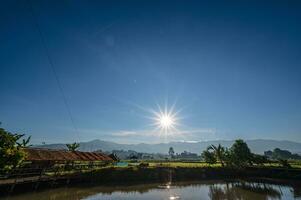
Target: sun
166, 121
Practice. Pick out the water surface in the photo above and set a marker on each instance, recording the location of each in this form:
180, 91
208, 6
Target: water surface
190, 191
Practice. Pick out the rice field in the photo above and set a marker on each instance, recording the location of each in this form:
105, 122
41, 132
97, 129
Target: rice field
197, 164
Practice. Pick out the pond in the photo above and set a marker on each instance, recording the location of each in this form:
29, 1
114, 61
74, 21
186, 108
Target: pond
189, 190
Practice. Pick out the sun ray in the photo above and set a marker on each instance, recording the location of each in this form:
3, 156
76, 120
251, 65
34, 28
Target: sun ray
165, 119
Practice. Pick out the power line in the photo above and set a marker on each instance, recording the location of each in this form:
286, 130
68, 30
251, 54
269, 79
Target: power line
35, 19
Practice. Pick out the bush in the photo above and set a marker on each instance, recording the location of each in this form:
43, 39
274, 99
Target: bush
284, 163
143, 165
209, 157
259, 159
11, 152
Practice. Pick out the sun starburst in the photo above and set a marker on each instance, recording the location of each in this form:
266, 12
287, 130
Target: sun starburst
166, 120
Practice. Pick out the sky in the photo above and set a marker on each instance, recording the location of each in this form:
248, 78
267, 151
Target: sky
229, 69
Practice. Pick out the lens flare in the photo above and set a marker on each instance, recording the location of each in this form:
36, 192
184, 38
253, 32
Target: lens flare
166, 120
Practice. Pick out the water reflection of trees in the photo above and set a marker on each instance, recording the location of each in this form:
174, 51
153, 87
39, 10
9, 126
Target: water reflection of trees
296, 190
244, 191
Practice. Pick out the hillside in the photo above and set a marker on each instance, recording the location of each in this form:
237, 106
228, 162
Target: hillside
257, 146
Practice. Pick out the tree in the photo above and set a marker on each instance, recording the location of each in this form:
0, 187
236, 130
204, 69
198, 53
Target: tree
73, 146
133, 156
209, 156
11, 153
171, 152
281, 154
219, 153
228, 158
240, 154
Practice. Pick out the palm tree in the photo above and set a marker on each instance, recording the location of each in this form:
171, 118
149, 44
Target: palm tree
73, 146
219, 152
25, 142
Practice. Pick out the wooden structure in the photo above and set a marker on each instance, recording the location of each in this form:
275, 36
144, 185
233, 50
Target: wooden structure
39, 154
47, 157
46, 164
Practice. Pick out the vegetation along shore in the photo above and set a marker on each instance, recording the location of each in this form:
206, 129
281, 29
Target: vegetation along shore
24, 168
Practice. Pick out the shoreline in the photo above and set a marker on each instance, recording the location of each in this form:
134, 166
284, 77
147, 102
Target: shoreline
135, 176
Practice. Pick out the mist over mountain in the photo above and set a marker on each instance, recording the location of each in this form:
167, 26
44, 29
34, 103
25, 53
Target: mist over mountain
257, 146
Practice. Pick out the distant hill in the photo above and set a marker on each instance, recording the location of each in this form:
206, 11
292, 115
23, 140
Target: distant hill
257, 146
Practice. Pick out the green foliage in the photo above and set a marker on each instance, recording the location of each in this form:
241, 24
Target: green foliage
240, 154
143, 165
259, 159
209, 156
219, 153
284, 163
171, 152
281, 154
73, 146
228, 158
25, 142
11, 152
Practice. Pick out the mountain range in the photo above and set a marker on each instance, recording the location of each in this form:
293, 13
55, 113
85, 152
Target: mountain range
256, 146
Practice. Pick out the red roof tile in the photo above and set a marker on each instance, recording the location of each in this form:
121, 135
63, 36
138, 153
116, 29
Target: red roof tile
34, 154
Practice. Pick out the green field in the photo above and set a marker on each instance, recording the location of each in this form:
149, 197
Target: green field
197, 164
165, 164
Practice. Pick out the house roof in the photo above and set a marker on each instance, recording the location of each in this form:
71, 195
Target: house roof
38, 154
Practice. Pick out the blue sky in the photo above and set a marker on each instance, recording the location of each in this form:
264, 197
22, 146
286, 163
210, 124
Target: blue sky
232, 68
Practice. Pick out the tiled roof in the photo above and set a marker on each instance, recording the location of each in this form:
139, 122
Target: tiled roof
35, 154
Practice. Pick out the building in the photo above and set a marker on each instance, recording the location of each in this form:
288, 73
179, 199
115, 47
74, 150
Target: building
40, 157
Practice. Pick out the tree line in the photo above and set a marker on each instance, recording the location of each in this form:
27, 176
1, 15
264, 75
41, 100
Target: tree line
238, 155
281, 154
12, 153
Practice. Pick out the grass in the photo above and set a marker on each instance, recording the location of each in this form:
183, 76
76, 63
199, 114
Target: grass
165, 164
179, 171
182, 164
201, 164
